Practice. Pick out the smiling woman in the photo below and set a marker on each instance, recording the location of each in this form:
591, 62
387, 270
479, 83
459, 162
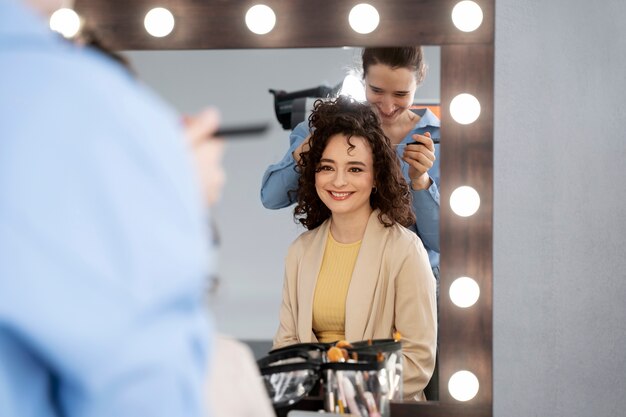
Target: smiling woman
357, 273
466, 158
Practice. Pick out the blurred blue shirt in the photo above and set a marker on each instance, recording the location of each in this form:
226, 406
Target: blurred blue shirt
103, 243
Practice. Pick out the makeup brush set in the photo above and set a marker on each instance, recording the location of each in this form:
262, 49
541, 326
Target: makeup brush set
352, 378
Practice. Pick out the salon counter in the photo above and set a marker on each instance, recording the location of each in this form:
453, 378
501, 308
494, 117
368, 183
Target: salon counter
405, 409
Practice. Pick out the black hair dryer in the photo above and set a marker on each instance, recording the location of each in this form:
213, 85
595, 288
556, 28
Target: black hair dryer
291, 108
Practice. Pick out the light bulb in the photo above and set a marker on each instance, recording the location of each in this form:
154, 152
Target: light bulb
464, 292
463, 385
467, 16
66, 22
464, 201
353, 87
260, 19
465, 108
363, 18
159, 22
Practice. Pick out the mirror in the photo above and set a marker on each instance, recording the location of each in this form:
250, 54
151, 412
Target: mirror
465, 334
254, 240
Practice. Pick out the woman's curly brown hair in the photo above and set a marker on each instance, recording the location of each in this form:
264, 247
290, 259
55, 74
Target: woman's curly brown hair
346, 116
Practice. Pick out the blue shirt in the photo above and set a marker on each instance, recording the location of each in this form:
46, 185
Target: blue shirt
281, 178
103, 246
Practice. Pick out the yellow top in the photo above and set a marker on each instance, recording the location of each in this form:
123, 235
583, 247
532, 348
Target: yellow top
331, 289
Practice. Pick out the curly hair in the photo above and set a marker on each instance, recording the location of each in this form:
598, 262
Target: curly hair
349, 117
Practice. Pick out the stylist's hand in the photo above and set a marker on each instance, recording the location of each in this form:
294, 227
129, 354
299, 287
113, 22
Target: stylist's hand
420, 158
207, 152
303, 147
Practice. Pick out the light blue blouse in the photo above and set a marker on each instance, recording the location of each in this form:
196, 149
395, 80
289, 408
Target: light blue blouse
103, 245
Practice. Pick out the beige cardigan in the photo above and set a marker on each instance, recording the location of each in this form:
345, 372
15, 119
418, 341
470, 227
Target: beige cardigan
392, 288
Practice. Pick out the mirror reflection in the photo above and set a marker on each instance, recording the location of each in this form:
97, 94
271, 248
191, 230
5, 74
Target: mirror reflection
254, 240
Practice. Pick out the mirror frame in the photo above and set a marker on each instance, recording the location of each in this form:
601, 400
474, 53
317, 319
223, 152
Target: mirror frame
467, 66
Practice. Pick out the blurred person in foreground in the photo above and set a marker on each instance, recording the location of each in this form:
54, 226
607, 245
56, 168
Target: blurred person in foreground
234, 387
104, 250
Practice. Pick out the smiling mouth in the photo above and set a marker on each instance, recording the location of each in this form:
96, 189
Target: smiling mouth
387, 116
339, 196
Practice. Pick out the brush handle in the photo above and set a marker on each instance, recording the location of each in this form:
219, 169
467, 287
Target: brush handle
241, 130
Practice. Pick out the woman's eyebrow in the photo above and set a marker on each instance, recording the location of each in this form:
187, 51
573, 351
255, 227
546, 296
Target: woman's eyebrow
356, 163
332, 161
373, 87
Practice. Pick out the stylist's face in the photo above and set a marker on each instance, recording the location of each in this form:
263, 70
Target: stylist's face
345, 177
390, 90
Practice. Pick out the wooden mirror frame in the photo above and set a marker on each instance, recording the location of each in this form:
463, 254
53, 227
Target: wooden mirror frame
467, 66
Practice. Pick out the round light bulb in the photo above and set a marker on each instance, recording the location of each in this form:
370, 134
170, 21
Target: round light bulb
66, 22
463, 386
464, 201
260, 19
465, 108
467, 16
159, 22
464, 292
363, 18
353, 86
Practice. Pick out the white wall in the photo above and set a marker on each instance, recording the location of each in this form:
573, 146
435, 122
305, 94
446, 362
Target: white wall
560, 221
254, 239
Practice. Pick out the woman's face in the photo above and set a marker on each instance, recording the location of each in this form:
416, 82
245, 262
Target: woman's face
391, 91
344, 178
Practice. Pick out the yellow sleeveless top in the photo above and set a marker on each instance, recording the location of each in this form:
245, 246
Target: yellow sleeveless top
331, 289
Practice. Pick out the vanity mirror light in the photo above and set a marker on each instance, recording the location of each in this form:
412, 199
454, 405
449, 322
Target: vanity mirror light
467, 60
